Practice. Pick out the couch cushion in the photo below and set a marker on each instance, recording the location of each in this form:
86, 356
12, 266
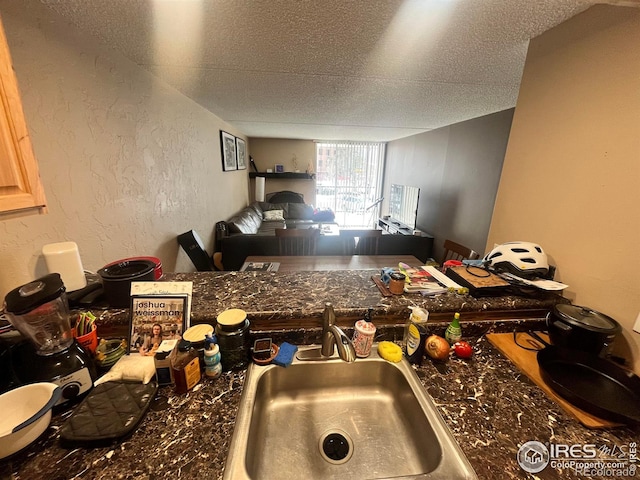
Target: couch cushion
256, 206
268, 227
300, 211
246, 220
292, 222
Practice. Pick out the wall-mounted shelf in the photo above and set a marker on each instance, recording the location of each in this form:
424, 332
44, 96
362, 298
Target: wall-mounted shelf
285, 175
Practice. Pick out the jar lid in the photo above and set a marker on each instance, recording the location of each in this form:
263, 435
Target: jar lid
32, 295
398, 276
197, 333
232, 317
586, 318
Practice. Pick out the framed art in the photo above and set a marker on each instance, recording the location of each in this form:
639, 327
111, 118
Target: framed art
241, 153
279, 168
228, 143
155, 318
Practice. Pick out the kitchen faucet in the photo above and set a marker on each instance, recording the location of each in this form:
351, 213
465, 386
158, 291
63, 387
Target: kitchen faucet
333, 335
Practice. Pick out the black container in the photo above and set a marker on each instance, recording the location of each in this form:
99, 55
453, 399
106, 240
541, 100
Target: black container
117, 278
232, 331
580, 328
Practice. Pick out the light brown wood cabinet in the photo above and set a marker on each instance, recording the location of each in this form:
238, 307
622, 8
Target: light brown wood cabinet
20, 187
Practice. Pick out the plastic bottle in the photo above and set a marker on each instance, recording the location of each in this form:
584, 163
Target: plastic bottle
185, 366
453, 332
415, 334
363, 335
212, 366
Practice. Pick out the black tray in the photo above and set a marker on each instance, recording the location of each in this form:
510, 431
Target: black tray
594, 384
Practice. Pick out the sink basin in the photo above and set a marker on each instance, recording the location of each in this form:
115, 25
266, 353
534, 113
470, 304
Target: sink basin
323, 419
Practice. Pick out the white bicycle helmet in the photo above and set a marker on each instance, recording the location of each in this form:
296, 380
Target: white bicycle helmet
524, 259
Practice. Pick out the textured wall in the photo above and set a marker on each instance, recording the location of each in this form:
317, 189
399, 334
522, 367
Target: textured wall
127, 163
457, 169
268, 151
572, 167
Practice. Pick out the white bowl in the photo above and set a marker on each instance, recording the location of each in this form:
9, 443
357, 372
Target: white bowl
28, 413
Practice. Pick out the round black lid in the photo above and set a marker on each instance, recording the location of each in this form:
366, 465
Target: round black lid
30, 296
584, 317
126, 270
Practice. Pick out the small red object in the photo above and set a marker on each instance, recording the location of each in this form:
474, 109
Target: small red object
462, 349
452, 263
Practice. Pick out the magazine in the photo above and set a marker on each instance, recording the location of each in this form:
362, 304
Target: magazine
260, 267
423, 282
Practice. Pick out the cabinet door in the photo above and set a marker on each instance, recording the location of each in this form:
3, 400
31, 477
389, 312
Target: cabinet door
20, 186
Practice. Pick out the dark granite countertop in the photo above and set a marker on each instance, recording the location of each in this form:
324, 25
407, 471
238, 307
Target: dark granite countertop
289, 300
491, 408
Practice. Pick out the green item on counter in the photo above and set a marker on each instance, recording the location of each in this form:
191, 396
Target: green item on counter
454, 332
85, 323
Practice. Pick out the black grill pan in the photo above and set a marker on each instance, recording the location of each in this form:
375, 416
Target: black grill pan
592, 383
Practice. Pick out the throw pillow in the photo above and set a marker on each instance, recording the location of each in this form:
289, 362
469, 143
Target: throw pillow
273, 215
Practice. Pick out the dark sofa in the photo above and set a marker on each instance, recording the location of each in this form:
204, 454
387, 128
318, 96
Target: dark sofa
251, 232
263, 218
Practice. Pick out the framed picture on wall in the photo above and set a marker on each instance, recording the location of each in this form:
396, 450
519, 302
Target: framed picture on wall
228, 144
241, 153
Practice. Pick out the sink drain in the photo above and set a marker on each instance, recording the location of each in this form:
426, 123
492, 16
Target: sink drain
336, 447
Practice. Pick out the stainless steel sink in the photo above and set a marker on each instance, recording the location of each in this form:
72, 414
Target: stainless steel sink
321, 419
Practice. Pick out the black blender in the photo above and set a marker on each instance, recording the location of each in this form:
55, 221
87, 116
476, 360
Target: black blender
40, 312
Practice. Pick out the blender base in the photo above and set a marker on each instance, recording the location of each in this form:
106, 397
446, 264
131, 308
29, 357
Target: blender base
72, 369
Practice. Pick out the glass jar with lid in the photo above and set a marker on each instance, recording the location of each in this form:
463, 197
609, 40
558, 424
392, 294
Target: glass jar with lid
232, 330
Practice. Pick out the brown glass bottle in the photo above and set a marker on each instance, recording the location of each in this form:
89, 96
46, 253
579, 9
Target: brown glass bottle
185, 366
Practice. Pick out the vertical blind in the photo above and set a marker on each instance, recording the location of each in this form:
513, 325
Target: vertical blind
349, 181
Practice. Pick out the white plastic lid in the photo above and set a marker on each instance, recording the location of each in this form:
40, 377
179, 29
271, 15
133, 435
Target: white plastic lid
419, 315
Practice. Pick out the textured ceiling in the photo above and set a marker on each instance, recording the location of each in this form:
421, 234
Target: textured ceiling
329, 69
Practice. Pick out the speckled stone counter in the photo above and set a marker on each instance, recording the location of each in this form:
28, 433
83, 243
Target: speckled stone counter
286, 300
491, 408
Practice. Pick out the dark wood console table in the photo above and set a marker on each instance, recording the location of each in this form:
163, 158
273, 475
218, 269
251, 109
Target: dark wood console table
392, 226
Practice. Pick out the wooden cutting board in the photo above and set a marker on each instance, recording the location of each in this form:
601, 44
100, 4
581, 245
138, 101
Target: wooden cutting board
527, 362
480, 282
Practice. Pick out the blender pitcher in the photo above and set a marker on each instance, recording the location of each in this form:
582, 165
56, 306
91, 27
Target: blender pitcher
40, 311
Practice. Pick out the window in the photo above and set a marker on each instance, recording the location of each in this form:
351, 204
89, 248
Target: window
349, 181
